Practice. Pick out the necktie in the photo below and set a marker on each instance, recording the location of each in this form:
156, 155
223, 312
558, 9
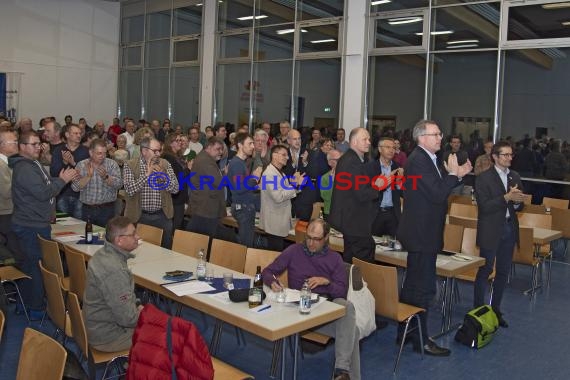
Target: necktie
434, 159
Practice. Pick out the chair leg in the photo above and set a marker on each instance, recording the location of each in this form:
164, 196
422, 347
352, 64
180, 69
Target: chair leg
491, 289
20, 298
277, 352
404, 339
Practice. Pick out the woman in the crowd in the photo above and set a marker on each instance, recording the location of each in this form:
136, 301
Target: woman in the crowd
172, 152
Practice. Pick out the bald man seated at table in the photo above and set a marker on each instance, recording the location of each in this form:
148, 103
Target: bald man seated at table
325, 271
110, 306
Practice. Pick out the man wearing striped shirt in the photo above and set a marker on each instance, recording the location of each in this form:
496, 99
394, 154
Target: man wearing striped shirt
100, 180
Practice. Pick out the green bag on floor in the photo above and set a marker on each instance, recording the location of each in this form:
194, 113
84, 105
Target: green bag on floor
479, 327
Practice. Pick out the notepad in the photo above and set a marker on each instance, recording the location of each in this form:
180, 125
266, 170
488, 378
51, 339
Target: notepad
293, 295
184, 288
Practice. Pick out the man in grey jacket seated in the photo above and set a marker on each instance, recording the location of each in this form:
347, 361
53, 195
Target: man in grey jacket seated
110, 305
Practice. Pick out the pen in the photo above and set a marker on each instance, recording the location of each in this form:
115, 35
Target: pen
263, 308
278, 282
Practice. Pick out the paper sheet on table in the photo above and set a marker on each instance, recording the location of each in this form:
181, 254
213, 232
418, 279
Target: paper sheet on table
68, 238
184, 288
293, 295
223, 297
442, 261
69, 222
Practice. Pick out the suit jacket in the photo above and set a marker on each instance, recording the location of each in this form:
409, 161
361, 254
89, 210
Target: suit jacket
352, 211
375, 170
288, 169
205, 201
489, 192
421, 226
275, 213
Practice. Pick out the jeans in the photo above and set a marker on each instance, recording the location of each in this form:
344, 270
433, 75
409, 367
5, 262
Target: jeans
32, 290
245, 216
161, 221
70, 205
99, 216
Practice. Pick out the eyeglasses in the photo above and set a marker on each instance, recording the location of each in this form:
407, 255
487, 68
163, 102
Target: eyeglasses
387, 147
155, 151
10, 142
315, 239
133, 234
433, 134
506, 154
35, 144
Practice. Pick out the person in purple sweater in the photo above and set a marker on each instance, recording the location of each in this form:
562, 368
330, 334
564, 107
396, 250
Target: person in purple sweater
324, 269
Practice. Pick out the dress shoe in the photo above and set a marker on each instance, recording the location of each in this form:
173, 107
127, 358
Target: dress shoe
432, 349
341, 375
502, 321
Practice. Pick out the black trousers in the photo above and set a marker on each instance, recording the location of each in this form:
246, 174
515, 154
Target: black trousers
420, 285
360, 247
385, 223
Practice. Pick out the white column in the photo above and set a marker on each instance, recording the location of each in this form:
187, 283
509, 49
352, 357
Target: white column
208, 65
353, 70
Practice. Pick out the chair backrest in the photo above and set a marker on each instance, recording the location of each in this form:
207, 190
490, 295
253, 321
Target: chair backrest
527, 199
2, 320
263, 258
458, 209
317, 207
469, 242
55, 304
524, 254
535, 220
452, 237
228, 255
534, 209
561, 221
464, 221
77, 270
555, 203
77, 323
189, 243
51, 258
457, 198
383, 284
41, 357
150, 234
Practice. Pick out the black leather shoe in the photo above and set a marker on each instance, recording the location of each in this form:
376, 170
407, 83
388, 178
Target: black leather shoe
502, 321
432, 349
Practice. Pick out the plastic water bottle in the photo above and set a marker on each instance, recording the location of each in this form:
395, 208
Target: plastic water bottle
305, 301
201, 267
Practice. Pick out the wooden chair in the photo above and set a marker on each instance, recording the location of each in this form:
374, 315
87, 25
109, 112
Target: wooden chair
150, 234
560, 222
458, 209
55, 305
540, 221
457, 198
51, 259
452, 237
2, 320
9, 274
94, 357
527, 199
41, 357
228, 255
77, 270
261, 257
224, 371
525, 256
469, 247
189, 243
463, 221
534, 209
383, 283
555, 203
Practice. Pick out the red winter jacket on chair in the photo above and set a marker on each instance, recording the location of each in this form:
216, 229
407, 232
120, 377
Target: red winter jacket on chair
148, 358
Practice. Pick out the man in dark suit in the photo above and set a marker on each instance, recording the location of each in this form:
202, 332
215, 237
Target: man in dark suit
302, 205
423, 218
499, 195
388, 210
353, 205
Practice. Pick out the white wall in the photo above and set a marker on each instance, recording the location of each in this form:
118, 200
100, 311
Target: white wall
67, 51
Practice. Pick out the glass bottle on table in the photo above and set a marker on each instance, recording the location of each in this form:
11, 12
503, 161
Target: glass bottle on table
201, 266
305, 300
257, 280
88, 231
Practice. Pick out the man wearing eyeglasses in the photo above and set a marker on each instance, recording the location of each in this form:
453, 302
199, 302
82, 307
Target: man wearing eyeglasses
8, 241
110, 305
325, 272
499, 196
33, 196
149, 182
421, 227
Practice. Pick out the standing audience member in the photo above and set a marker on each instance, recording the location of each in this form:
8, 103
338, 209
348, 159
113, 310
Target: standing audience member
462, 157
484, 161
423, 218
149, 182
52, 134
499, 195
33, 197
298, 162
110, 307
315, 262
244, 193
388, 211
284, 128
207, 201
172, 152
400, 156
114, 130
8, 241
194, 143
327, 180
129, 133
341, 144
276, 195
100, 179
261, 156
353, 208
67, 156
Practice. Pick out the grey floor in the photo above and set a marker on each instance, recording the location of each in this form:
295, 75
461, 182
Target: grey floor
533, 347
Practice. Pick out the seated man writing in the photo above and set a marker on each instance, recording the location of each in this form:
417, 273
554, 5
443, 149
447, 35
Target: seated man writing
109, 305
324, 269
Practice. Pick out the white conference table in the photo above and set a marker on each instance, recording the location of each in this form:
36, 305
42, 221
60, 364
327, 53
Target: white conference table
275, 324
